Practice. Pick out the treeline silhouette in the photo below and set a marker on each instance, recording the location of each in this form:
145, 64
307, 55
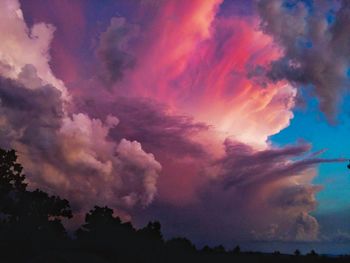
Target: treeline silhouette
31, 230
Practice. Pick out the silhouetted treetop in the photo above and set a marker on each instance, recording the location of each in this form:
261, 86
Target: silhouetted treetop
31, 231
236, 250
39, 204
312, 253
11, 181
100, 215
219, 249
11, 177
26, 211
181, 244
152, 231
101, 224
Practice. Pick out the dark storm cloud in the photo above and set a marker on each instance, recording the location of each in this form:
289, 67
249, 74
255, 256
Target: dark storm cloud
244, 182
33, 115
296, 196
58, 156
14, 96
96, 160
113, 50
249, 183
243, 165
148, 122
316, 44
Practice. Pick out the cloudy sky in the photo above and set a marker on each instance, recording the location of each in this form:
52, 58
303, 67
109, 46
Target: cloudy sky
227, 121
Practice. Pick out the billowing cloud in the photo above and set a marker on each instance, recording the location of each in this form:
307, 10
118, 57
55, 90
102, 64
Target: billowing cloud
198, 64
18, 39
72, 154
130, 172
65, 152
254, 195
181, 134
178, 142
315, 44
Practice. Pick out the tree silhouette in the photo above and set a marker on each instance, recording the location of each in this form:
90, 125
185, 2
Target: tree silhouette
100, 224
236, 250
107, 235
206, 249
11, 183
152, 231
30, 220
27, 214
98, 220
219, 249
150, 242
180, 245
312, 253
40, 214
31, 231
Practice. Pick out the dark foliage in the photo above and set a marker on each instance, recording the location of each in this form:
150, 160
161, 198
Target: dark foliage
31, 231
30, 220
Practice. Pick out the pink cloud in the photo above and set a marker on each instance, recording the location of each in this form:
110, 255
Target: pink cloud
64, 152
191, 132
199, 64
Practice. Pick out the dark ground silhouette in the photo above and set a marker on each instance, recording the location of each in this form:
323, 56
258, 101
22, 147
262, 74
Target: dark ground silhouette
31, 231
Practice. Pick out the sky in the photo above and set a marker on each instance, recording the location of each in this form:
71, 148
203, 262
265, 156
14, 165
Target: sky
227, 121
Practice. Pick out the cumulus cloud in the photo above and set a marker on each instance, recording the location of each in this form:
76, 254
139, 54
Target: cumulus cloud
120, 174
64, 152
315, 42
278, 182
296, 197
178, 142
247, 183
306, 227
72, 155
202, 61
18, 39
29, 114
189, 63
